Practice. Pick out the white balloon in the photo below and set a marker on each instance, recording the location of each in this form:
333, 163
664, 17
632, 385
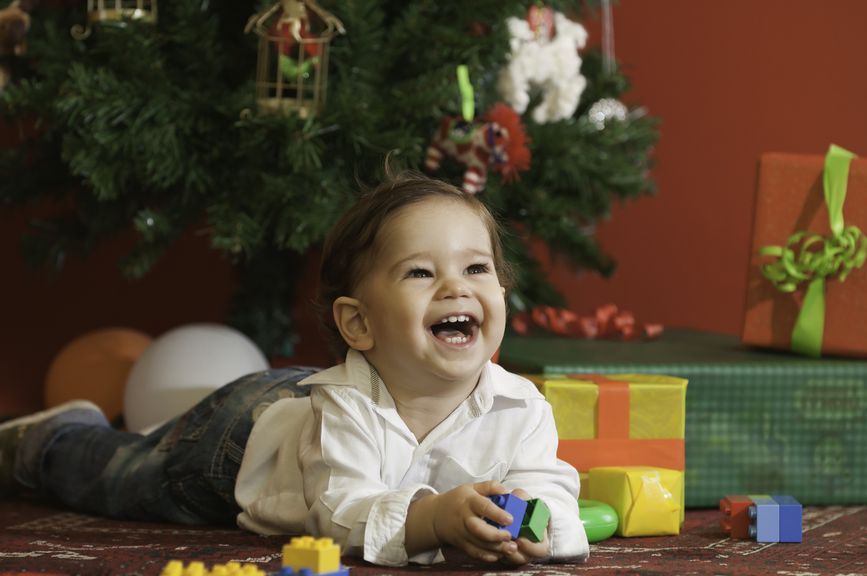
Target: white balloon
181, 367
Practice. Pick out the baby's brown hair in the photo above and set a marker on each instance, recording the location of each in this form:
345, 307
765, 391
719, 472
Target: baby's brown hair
351, 244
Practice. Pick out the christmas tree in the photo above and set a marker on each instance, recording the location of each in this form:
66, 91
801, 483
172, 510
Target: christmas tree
153, 121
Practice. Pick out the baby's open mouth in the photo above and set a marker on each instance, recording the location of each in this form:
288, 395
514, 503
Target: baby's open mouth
457, 329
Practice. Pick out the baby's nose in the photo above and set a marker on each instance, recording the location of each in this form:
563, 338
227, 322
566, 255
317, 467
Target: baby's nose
454, 287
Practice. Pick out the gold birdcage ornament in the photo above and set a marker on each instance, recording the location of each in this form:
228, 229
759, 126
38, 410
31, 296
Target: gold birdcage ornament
117, 12
292, 64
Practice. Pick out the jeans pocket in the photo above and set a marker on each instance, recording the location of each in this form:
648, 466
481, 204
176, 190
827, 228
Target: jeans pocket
205, 498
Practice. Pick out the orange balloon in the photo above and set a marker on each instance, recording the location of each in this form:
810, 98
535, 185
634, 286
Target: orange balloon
95, 367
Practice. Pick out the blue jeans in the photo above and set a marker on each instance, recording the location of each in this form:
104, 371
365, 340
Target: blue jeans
183, 472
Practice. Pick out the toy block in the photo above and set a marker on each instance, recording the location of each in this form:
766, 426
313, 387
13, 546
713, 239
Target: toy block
197, 568
535, 520
176, 568
764, 515
735, 516
319, 555
515, 506
287, 571
791, 524
173, 568
236, 569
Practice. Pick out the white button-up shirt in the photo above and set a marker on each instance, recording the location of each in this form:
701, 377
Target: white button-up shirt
349, 467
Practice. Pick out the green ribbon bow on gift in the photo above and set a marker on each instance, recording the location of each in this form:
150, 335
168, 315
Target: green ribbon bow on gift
810, 257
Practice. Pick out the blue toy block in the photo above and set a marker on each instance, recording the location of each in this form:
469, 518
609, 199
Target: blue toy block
764, 519
287, 571
515, 506
791, 524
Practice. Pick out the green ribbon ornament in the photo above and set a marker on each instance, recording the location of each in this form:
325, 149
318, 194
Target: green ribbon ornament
810, 257
468, 105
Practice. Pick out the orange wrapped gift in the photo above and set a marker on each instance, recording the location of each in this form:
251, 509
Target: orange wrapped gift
807, 289
618, 419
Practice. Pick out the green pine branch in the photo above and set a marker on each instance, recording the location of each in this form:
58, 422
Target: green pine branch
141, 128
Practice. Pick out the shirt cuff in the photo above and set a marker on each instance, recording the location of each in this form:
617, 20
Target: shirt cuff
567, 539
385, 532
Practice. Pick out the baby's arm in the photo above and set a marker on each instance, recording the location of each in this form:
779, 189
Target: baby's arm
457, 518
536, 472
347, 497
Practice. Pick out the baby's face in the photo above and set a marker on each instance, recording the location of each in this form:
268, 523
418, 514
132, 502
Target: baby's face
432, 297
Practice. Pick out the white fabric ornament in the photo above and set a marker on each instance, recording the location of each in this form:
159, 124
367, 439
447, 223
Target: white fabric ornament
606, 109
552, 64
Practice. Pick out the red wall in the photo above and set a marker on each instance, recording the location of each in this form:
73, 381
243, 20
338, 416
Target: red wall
729, 81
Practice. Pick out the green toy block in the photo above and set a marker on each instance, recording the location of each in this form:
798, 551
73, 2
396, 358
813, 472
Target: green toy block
535, 520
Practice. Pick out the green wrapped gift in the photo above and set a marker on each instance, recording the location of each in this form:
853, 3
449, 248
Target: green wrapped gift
757, 421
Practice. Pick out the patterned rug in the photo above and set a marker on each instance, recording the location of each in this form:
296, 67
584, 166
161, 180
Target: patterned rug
39, 539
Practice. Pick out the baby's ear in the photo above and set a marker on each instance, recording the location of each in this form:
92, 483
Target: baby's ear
350, 320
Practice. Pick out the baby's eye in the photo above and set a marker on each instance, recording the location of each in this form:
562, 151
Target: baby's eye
478, 269
418, 273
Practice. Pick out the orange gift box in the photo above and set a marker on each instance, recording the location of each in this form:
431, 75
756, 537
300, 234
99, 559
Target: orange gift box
790, 197
618, 419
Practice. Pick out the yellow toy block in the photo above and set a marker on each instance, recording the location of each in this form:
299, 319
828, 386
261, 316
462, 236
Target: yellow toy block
236, 569
321, 555
648, 501
197, 568
173, 568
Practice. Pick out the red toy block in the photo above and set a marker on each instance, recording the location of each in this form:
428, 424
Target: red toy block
736, 519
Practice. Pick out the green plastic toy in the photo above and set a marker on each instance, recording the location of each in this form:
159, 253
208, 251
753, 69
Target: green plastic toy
599, 519
535, 520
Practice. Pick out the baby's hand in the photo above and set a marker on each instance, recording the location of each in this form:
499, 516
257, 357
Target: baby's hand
460, 521
527, 551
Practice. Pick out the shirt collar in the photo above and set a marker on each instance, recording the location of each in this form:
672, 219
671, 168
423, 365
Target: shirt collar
497, 383
356, 371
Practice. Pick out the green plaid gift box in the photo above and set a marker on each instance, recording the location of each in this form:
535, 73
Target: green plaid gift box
757, 421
